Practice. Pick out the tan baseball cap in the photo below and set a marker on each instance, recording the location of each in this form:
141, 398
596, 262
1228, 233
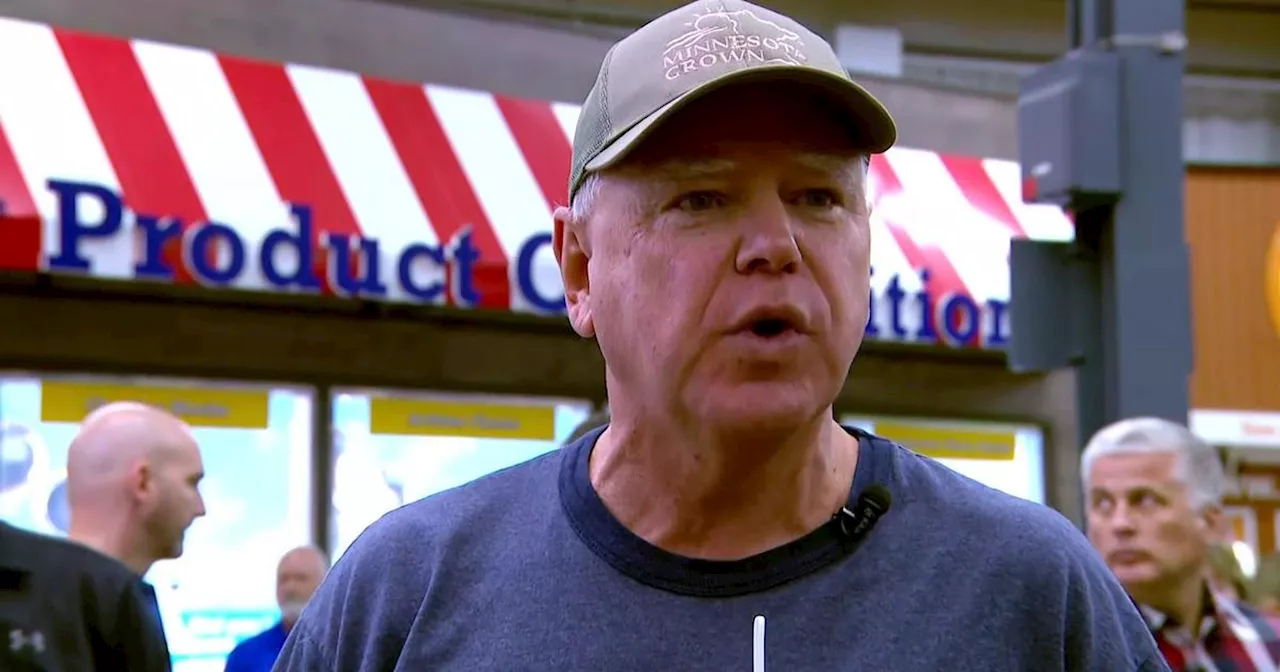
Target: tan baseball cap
699, 48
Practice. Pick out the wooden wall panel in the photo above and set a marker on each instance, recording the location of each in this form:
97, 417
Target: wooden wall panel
1231, 217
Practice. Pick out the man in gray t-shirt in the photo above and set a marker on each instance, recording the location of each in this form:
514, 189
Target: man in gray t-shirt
717, 248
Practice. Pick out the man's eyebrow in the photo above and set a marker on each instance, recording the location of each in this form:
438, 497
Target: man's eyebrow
842, 164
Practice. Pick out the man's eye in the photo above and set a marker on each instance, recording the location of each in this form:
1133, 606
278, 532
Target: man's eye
1148, 499
700, 200
819, 198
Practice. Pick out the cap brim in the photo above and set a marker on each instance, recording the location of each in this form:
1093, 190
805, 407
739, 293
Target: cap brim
871, 127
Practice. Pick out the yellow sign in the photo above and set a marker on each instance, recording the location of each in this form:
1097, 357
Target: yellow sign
436, 417
1272, 280
956, 442
198, 406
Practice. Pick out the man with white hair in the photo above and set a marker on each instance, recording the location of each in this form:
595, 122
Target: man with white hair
1154, 493
297, 576
717, 248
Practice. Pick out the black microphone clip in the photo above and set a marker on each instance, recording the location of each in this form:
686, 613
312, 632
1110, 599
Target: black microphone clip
871, 504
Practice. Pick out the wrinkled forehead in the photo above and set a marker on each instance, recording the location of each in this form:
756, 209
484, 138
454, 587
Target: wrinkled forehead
1129, 471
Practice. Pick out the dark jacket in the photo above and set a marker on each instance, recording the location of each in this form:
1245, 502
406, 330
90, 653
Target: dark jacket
66, 607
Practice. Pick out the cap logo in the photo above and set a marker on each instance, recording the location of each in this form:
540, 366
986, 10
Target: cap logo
730, 38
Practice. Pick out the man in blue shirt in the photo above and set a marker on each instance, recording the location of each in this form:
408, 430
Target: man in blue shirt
297, 576
717, 247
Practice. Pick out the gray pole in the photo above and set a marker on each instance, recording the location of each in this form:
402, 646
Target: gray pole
1116, 302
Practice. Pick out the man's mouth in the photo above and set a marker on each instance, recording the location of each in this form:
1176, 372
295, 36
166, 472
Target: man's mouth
1127, 557
772, 327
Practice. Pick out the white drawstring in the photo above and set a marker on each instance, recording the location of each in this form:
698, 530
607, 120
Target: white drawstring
757, 645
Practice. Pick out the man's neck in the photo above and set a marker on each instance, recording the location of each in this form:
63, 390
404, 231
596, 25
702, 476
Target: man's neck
1184, 602
697, 497
114, 545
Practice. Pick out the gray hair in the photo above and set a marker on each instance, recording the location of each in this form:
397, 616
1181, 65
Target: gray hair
585, 198
1199, 466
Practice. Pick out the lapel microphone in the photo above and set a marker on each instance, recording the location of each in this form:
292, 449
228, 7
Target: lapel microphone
871, 505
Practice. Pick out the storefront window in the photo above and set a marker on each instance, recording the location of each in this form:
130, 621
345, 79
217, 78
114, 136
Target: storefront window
1006, 457
1252, 500
392, 449
1243, 539
256, 447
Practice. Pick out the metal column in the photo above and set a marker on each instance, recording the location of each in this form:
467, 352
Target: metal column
1115, 303
322, 465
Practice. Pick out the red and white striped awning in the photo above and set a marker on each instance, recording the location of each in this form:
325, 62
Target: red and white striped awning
201, 136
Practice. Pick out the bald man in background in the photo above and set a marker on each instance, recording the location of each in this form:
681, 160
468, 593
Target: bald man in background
133, 477
297, 577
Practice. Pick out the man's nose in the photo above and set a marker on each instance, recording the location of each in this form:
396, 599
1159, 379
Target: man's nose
1122, 522
768, 242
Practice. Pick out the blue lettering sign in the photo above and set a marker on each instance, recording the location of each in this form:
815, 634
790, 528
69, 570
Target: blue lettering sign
301, 243
156, 232
404, 269
524, 274
462, 275
215, 254
344, 279
927, 331
960, 320
895, 295
200, 253
72, 230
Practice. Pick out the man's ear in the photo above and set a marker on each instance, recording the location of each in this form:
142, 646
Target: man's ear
573, 258
1215, 526
142, 483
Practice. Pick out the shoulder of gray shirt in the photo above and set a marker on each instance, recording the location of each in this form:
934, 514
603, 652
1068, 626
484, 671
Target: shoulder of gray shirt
1042, 561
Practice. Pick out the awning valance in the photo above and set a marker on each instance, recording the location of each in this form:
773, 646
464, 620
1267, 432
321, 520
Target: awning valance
137, 160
